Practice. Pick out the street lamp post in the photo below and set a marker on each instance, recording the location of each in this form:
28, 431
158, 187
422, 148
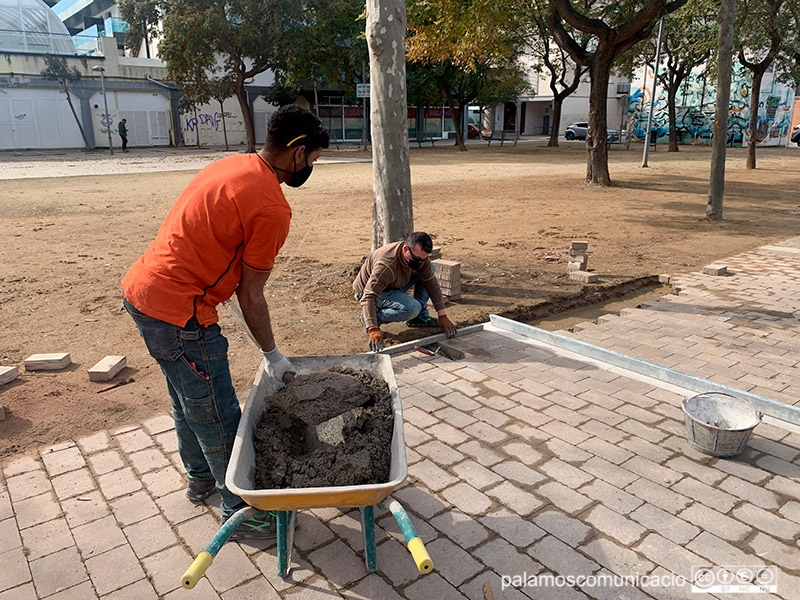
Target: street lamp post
105, 104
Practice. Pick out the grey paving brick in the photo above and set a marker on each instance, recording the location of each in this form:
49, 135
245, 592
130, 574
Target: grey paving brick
94, 442
604, 432
27, 484
118, 483
605, 450
58, 571
650, 470
706, 494
148, 460
516, 471
531, 396
640, 414
452, 562
493, 417
5, 503
610, 496
784, 486
783, 451
66, 460
529, 416
453, 416
167, 441
459, 400
9, 534
164, 569
520, 501
752, 493
563, 497
773, 551
432, 586
46, 538
766, 521
779, 466
133, 508
432, 475
15, 569
721, 552
670, 555
150, 536
73, 483
476, 475
614, 525
617, 558
791, 511
564, 473
106, 461
413, 436
448, 434
559, 557
486, 432
566, 415
463, 529
569, 434
640, 447
483, 455
440, 453
567, 529
90, 507
22, 592
565, 451
35, 510
131, 441
176, 509
522, 451
420, 500
512, 528
708, 475
647, 432
372, 587
609, 472
658, 495
311, 532
715, 522
670, 526
163, 481
477, 587
98, 536
467, 498
20, 465
338, 563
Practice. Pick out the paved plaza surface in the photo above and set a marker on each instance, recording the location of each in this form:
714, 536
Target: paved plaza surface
524, 461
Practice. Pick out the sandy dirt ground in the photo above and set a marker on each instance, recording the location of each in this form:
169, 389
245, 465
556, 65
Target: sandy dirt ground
507, 214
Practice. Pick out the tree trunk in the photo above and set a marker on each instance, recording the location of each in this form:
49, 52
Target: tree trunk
555, 120
752, 125
392, 210
196, 126
597, 137
716, 191
77, 120
672, 92
241, 96
458, 115
224, 127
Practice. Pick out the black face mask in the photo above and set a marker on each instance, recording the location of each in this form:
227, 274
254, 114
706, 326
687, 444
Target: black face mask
414, 263
300, 176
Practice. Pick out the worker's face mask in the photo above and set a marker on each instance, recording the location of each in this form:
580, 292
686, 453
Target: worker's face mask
300, 176
414, 263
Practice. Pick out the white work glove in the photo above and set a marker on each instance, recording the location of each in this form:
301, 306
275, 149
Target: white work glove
278, 366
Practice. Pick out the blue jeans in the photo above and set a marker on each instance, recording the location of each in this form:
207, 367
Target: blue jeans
396, 305
194, 360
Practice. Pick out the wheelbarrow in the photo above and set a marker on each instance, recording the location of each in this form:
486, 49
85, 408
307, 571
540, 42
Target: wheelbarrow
286, 502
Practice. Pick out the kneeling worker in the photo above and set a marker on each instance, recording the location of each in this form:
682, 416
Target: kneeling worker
382, 283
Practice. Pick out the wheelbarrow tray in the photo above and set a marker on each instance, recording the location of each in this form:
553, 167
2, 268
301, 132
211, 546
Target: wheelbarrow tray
240, 476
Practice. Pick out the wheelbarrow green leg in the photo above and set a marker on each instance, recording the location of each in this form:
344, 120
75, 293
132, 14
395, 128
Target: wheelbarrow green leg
286, 520
368, 531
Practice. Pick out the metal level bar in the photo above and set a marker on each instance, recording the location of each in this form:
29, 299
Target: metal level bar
772, 408
439, 337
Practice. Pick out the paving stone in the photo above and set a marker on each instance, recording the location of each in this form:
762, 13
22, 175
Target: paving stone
512, 528
66, 460
647, 432
28, 484
610, 496
431, 475
118, 483
9, 534
658, 495
514, 498
33, 511
650, 470
94, 443
670, 555
617, 558
454, 417
15, 569
600, 413
531, 396
164, 569
779, 467
22, 592
477, 587
440, 453
564, 473
602, 431
772, 447
164, 481
752, 493
140, 590
372, 587
566, 415
452, 562
568, 530
460, 401
338, 563
613, 590
774, 551
784, 486
133, 508
432, 586
720, 525
529, 416
705, 494
485, 432
522, 451
463, 529
791, 510
46, 538
467, 498
566, 452
311, 532
167, 441
5, 504
721, 552
614, 525
474, 474
609, 472
57, 571
159, 424
766, 521
86, 508
176, 509
483, 455
420, 501
132, 441
569, 434
559, 557
670, 526
149, 536
516, 471
74, 483
503, 555
563, 497
148, 460
106, 461
640, 447
708, 475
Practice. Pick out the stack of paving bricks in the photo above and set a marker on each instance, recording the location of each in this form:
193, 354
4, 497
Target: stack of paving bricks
578, 259
448, 274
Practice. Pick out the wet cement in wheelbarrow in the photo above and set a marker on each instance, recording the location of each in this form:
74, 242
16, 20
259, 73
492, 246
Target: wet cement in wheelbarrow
285, 460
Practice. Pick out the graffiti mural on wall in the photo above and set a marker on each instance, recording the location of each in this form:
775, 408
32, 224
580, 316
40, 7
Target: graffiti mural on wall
695, 106
207, 120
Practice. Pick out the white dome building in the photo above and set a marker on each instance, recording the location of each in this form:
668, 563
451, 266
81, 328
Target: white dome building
32, 26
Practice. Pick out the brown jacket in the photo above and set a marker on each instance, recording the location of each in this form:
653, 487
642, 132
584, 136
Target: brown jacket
383, 270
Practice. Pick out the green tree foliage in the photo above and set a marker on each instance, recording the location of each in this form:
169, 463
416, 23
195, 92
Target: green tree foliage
56, 69
763, 31
247, 36
464, 51
615, 28
142, 17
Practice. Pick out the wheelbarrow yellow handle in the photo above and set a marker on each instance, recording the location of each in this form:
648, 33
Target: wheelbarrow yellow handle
198, 568
413, 541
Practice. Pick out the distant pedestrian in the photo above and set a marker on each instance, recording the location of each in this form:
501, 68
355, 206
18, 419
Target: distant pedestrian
123, 133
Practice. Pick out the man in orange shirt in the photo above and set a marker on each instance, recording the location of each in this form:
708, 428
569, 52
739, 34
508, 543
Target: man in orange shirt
221, 236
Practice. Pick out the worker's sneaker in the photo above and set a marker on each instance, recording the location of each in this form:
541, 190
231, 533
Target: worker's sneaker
426, 321
261, 526
200, 489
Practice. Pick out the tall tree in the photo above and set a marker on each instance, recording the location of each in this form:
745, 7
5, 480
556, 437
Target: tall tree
760, 28
471, 43
220, 89
716, 188
392, 211
247, 36
56, 69
616, 28
142, 17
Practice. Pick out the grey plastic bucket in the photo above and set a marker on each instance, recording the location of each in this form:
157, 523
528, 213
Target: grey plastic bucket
719, 424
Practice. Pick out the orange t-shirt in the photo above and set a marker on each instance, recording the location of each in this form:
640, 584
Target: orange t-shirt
232, 212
